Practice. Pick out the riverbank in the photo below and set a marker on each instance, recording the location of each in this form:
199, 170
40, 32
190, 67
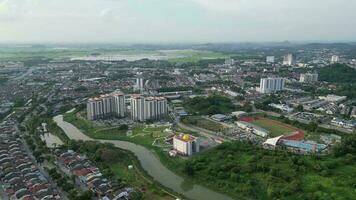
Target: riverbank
150, 162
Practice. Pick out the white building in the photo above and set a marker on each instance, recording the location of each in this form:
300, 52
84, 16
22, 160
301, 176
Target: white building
270, 59
119, 104
289, 60
186, 144
282, 107
334, 59
229, 61
308, 78
139, 84
252, 128
271, 85
107, 105
333, 98
148, 108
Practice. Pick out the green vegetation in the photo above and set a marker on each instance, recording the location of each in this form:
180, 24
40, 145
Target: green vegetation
211, 105
246, 171
338, 73
203, 123
193, 56
343, 75
3, 80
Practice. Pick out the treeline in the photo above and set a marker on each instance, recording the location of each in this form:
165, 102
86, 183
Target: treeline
338, 73
215, 104
175, 89
246, 171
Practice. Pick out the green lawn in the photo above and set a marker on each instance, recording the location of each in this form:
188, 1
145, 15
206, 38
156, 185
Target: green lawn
275, 128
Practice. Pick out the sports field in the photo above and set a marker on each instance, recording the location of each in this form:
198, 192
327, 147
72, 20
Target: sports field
275, 127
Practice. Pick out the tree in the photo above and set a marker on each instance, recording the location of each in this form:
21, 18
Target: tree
189, 169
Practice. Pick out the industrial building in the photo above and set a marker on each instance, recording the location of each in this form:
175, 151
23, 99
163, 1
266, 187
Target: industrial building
252, 128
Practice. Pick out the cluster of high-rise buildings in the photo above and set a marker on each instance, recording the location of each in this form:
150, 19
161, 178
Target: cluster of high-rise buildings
148, 108
107, 105
271, 85
114, 105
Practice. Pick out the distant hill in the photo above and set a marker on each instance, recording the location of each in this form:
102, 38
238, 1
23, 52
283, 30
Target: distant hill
338, 73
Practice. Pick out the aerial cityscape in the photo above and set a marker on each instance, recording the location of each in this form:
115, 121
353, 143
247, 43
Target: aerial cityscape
132, 100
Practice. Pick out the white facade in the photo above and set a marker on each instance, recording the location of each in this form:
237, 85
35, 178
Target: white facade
271, 85
137, 108
308, 78
112, 104
139, 84
270, 59
148, 108
186, 145
334, 59
288, 60
333, 98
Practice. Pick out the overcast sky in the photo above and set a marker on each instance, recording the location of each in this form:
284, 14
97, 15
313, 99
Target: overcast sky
176, 20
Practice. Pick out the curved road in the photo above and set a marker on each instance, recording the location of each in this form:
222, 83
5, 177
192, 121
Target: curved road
151, 164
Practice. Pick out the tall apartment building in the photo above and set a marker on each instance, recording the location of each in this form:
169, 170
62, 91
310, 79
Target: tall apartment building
107, 105
271, 85
270, 59
308, 78
334, 59
139, 84
148, 108
289, 59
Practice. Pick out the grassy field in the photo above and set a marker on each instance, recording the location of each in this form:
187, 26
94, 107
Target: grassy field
203, 123
276, 128
30, 53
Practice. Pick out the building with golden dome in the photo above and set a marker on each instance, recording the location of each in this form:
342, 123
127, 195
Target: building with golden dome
186, 144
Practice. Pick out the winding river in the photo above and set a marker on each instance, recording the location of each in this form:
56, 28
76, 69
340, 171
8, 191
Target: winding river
151, 164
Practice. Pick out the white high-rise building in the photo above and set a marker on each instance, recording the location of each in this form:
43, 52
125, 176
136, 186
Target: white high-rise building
139, 84
107, 105
271, 85
119, 104
186, 144
148, 108
270, 59
334, 59
289, 59
308, 78
137, 108
94, 108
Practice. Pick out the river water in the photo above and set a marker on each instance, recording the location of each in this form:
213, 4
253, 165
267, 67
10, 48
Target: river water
151, 164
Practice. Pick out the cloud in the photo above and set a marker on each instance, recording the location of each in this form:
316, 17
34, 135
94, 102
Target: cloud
220, 5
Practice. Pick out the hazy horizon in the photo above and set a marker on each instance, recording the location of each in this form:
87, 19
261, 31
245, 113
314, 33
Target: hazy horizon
183, 21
